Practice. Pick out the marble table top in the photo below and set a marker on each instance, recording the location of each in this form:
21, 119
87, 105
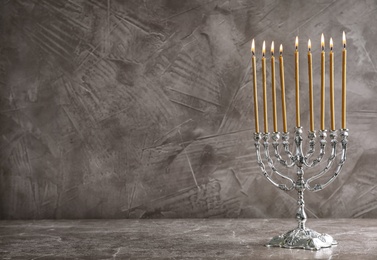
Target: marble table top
179, 239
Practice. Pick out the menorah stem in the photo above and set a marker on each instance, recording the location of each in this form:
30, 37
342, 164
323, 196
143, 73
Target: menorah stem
300, 183
300, 187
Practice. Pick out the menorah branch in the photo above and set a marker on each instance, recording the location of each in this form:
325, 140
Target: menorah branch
282, 186
285, 137
311, 136
323, 142
275, 144
333, 137
265, 137
344, 141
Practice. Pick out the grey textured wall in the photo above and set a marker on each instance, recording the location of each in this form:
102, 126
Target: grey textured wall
139, 109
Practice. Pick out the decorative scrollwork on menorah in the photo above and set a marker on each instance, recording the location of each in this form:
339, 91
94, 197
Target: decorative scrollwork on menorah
301, 237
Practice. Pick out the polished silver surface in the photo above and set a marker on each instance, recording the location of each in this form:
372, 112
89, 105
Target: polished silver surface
302, 237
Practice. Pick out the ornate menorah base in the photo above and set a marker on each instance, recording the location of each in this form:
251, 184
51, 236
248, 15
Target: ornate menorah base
302, 239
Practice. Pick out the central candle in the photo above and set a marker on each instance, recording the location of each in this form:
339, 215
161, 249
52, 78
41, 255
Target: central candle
310, 74
332, 102
322, 82
273, 88
297, 79
264, 87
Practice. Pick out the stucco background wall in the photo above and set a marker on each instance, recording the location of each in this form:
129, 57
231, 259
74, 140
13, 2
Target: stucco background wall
141, 109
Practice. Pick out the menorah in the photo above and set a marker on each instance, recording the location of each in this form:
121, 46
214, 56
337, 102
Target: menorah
301, 237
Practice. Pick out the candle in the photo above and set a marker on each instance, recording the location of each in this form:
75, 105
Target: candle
344, 87
332, 86
273, 88
264, 87
322, 82
298, 123
282, 84
254, 64
310, 74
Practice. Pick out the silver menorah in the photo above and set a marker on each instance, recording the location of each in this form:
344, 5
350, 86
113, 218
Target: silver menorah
301, 237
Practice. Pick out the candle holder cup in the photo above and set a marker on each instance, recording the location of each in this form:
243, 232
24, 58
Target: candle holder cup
301, 237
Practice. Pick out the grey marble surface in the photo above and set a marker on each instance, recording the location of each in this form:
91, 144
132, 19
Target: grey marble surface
179, 239
143, 109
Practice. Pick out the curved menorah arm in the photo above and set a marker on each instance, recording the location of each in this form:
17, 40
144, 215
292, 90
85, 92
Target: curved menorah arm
344, 141
265, 137
285, 137
311, 136
323, 142
257, 137
275, 144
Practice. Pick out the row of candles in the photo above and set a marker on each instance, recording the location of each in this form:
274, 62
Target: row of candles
297, 83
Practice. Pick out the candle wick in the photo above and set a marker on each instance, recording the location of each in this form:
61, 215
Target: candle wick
344, 46
252, 53
323, 48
